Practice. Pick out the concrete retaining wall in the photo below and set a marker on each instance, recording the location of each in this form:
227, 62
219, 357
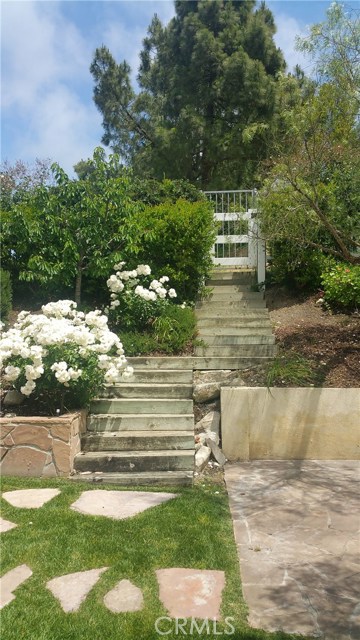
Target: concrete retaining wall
40, 447
290, 424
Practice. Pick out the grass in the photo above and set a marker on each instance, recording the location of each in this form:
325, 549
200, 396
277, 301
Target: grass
193, 531
290, 369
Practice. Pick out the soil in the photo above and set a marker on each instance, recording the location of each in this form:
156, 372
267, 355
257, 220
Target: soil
329, 341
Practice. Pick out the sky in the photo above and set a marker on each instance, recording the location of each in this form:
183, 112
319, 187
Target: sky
46, 50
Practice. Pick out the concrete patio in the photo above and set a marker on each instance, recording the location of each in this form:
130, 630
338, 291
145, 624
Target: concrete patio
296, 527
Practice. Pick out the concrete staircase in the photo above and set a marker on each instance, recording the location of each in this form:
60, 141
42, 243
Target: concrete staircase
141, 432
233, 320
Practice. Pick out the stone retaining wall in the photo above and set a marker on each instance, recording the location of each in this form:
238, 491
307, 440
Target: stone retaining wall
41, 447
290, 424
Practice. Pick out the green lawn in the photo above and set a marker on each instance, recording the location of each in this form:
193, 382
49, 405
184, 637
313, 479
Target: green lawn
193, 531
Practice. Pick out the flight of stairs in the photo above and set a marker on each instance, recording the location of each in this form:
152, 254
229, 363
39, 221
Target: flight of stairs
233, 321
141, 432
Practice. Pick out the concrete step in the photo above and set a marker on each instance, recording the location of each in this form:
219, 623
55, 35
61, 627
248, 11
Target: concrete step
143, 422
225, 312
232, 295
144, 390
233, 363
225, 305
134, 461
138, 441
228, 339
241, 321
144, 478
248, 350
246, 276
140, 406
264, 330
168, 376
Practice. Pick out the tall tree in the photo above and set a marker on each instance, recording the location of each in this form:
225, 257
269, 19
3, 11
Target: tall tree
206, 80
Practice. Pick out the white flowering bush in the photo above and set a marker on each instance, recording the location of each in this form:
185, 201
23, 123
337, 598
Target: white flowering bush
62, 356
135, 298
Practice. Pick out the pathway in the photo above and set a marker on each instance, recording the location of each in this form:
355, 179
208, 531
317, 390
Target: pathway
297, 526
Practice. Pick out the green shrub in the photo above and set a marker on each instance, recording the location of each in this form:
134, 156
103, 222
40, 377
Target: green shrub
296, 267
5, 295
177, 239
154, 192
290, 370
137, 344
341, 283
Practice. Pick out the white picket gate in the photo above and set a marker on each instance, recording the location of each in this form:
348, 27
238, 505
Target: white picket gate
238, 242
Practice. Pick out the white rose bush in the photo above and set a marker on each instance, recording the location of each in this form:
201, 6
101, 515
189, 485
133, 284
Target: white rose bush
135, 298
61, 357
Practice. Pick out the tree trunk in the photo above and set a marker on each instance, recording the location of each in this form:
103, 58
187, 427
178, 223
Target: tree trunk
78, 282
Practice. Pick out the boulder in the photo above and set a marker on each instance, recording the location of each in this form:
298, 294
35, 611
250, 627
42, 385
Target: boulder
205, 392
13, 398
202, 457
216, 451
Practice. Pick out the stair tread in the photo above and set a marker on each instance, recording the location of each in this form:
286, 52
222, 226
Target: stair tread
135, 478
163, 416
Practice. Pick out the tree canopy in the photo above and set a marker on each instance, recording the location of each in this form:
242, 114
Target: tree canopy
311, 194
206, 80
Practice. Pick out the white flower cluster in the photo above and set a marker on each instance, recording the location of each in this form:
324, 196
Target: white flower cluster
60, 324
156, 289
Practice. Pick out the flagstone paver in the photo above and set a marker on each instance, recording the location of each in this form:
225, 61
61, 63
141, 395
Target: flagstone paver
30, 498
72, 588
187, 593
297, 527
6, 525
11, 581
118, 504
124, 597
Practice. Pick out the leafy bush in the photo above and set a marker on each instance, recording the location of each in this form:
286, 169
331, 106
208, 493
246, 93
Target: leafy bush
175, 328
62, 357
5, 295
153, 192
341, 283
296, 267
178, 237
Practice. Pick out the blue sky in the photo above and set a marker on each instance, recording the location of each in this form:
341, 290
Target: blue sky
47, 47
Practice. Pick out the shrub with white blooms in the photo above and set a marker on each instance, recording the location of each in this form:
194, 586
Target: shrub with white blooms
62, 355
134, 304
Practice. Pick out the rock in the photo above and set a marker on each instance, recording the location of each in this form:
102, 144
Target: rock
218, 376
30, 498
13, 398
124, 597
72, 589
205, 392
11, 581
235, 382
191, 593
118, 504
216, 451
210, 422
202, 457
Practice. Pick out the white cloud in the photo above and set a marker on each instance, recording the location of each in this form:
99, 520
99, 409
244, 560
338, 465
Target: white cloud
287, 30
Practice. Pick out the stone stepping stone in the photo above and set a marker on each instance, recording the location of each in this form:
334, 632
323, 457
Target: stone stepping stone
118, 504
124, 597
6, 525
11, 581
72, 588
30, 498
191, 593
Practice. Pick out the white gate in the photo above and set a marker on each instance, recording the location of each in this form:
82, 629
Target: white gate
238, 242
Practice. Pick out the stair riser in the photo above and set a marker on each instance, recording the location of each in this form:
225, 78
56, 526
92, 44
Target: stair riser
140, 423
141, 406
235, 295
237, 340
240, 322
198, 362
238, 350
231, 278
225, 305
109, 463
166, 478
168, 376
138, 443
133, 391
207, 332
